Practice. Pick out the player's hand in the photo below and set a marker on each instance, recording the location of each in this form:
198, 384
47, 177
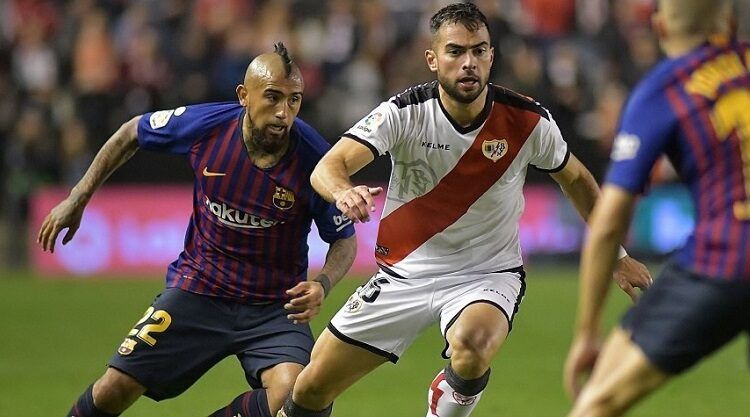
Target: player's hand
306, 298
581, 359
66, 215
357, 202
631, 274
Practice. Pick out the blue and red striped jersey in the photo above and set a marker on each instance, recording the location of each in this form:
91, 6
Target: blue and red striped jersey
247, 236
696, 110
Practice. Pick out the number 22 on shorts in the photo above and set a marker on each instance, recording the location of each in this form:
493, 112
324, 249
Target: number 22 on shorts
161, 319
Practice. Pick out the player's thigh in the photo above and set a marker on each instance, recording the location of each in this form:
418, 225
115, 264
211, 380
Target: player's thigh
265, 338
623, 374
179, 337
335, 365
385, 315
479, 311
685, 317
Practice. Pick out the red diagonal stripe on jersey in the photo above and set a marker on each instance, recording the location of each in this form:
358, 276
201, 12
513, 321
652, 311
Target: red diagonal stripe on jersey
412, 224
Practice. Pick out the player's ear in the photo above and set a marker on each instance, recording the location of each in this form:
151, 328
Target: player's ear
431, 58
242, 94
657, 23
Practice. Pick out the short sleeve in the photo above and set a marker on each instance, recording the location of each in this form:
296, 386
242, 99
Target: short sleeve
176, 130
646, 127
550, 149
378, 130
332, 224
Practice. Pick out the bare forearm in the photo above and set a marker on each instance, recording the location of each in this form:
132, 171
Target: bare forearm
116, 151
597, 264
608, 227
582, 192
330, 176
339, 259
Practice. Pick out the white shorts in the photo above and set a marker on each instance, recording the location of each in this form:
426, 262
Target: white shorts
385, 315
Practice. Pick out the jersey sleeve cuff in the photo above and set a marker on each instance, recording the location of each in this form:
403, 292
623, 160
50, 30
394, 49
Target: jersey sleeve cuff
559, 167
369, 145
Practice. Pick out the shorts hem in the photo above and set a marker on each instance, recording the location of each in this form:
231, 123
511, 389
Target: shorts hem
346, 339
149, 392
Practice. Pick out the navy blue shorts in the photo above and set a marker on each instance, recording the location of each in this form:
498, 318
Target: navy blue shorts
182, 335
684, 317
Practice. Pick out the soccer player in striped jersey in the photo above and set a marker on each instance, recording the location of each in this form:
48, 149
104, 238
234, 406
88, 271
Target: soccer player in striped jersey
240, 286
693, 107
447, 245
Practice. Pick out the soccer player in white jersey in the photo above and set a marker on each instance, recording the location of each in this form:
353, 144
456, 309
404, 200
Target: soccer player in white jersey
447, 245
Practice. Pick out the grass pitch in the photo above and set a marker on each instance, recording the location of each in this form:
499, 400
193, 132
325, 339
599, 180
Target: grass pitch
58, 335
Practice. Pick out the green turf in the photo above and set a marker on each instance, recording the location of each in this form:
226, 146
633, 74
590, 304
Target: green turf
58, 335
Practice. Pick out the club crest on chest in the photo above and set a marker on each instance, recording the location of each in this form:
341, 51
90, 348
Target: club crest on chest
495, 149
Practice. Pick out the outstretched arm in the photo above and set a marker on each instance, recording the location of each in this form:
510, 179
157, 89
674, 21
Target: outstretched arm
116, 151
608, 226
331, 179
582, 190
308, 295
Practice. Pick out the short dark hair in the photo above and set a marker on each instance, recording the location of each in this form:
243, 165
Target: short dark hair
467, 14
281, 50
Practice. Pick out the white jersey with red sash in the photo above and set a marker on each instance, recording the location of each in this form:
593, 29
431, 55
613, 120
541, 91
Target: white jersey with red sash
455, 195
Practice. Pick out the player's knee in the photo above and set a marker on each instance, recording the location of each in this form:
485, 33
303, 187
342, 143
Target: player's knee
474, 346
116, 391
310, 393
599, 404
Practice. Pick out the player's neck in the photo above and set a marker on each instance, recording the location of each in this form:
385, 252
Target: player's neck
677, 46
464, 114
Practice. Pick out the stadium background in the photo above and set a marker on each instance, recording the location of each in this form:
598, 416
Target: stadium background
71, 72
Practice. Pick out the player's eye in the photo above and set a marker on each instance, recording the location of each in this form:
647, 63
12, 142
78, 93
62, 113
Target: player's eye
480, 51
273, 98
455, 52
295, 99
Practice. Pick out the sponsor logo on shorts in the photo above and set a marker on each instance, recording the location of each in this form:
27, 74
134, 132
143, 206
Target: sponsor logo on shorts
463, 399
382, 250
496, 292
127, 346
354, 304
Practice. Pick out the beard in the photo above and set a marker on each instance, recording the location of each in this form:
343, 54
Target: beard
461, 96
266, 142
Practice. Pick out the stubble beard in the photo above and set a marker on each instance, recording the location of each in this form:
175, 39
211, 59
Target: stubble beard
452, 90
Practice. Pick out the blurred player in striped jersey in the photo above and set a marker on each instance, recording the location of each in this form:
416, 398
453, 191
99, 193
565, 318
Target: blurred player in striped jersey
447, 249
694, 107
240, 286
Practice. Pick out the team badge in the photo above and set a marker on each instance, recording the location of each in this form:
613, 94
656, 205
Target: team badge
495, 149
283, 198
353, 304
127, 346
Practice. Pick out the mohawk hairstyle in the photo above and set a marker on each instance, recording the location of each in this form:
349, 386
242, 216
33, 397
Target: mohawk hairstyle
467, 14
281, 50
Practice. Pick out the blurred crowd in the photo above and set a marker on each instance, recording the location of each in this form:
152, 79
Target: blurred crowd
71, 72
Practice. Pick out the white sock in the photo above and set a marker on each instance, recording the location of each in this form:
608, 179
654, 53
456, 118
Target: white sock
444, 401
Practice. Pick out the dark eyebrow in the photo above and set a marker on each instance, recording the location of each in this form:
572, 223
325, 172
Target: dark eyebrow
281, 93
455, 45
